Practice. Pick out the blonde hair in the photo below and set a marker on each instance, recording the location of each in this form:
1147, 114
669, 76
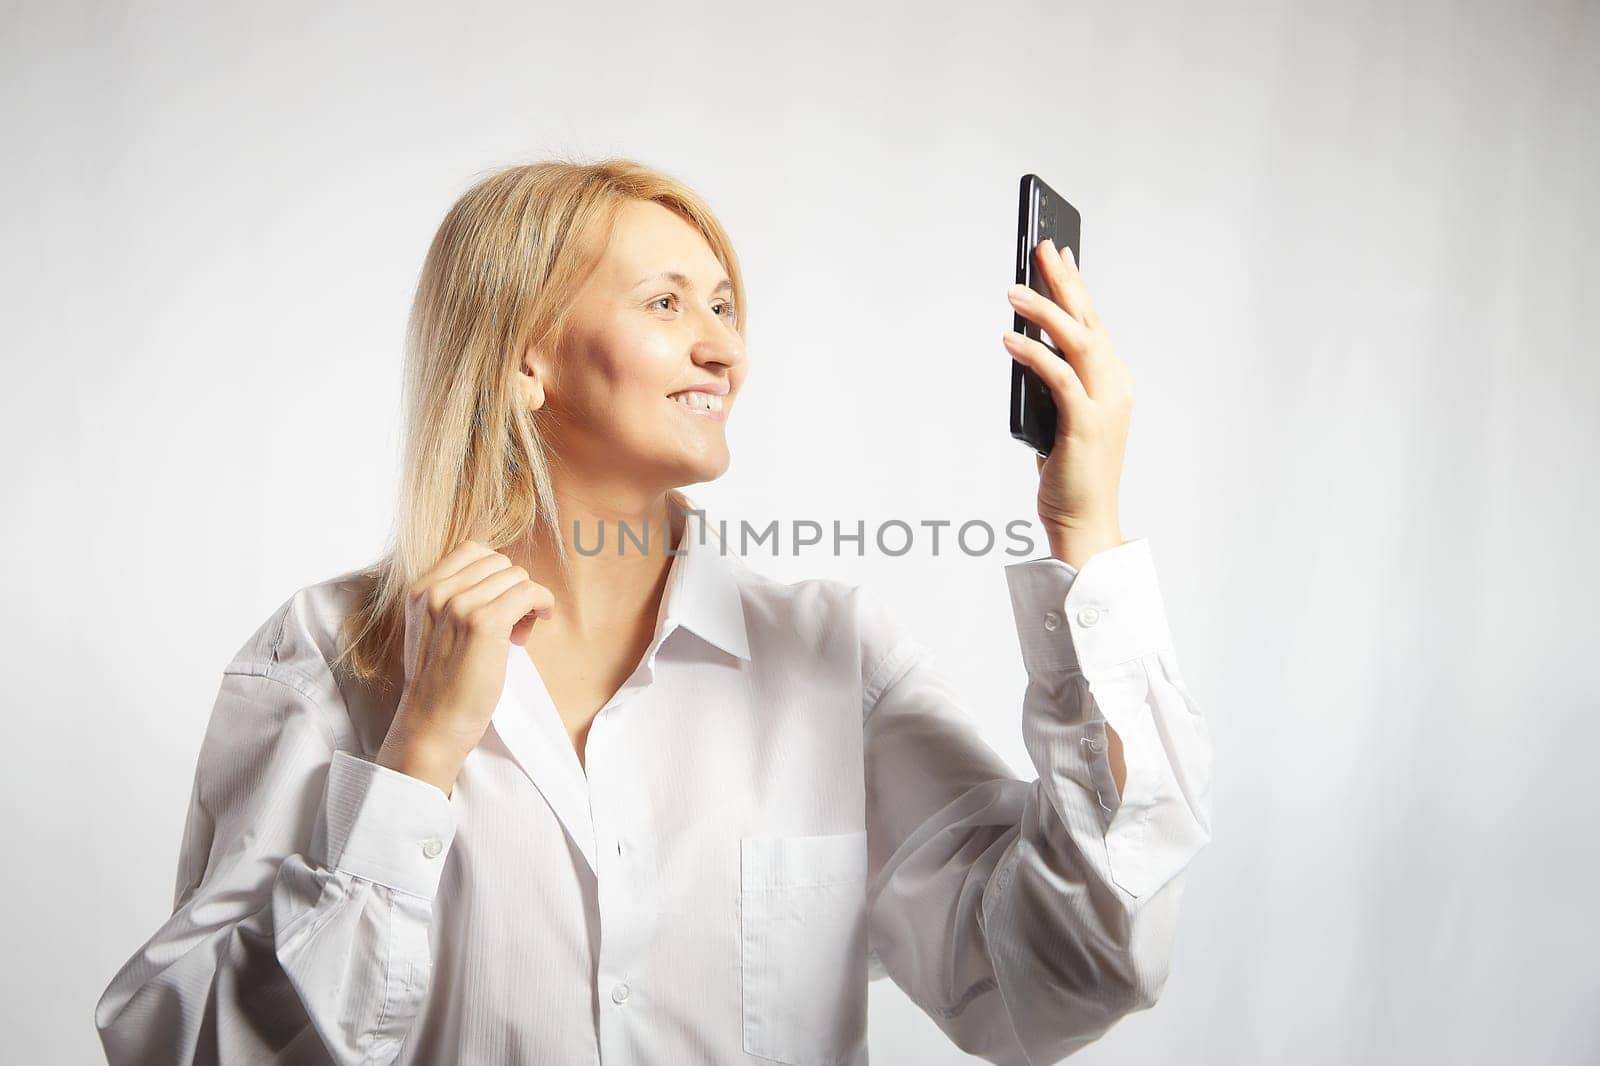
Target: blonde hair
503, 272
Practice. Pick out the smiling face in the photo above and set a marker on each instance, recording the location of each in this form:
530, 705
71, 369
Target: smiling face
637, 399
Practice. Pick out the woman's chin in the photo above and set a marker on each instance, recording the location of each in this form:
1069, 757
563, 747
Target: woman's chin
702, 467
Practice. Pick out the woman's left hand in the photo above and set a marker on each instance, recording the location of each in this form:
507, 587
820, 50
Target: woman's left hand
1093, 392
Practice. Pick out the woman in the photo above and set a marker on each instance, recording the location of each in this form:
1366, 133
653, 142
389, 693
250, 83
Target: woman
493, 800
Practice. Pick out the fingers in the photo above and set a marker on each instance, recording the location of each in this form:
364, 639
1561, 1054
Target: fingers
438, 596
464, 554
1066, 283
424, 600
1069, 334
470, 608
522, 599
1069, 318
1056, 373
517, 607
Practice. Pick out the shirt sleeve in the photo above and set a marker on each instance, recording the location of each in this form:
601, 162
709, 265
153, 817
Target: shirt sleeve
1026, 918
304, 895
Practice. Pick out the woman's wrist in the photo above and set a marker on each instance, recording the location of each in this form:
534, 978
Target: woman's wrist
416, 757
1074, 545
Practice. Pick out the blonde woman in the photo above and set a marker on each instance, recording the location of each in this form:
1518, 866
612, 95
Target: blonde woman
505, 798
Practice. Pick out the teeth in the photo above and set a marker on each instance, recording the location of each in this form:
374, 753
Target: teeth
703, 401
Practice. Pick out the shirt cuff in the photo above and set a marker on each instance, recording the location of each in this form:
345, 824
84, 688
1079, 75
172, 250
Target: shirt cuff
1088, 620
386, 826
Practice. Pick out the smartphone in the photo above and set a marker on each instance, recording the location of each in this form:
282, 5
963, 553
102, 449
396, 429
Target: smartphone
1041, 213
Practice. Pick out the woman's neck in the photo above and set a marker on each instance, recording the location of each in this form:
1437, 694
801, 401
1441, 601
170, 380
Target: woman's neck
620, 558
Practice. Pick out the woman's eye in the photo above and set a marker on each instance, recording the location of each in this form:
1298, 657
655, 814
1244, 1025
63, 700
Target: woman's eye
725, 307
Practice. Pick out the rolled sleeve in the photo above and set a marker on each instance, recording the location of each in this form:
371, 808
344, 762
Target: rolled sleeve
387, 827
1026, 917
1104, 628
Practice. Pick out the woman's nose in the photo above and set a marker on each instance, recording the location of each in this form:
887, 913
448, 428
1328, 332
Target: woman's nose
723, 351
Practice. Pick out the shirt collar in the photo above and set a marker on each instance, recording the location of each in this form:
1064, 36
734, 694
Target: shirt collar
703, 590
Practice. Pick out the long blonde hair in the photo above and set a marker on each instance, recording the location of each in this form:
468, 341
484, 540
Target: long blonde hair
503, 272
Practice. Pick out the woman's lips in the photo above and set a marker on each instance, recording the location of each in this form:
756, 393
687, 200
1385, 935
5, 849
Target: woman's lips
703, 404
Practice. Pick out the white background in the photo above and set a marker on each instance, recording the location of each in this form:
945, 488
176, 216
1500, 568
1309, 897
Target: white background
1349, 255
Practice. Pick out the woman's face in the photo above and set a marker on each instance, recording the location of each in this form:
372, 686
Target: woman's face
638, 397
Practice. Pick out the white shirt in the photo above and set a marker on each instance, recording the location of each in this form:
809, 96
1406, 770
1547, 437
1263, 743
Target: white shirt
782, 801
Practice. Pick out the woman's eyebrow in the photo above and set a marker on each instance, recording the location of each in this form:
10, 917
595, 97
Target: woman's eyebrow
681, 279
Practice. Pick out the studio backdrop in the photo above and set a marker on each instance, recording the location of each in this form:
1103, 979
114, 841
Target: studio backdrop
1348, 254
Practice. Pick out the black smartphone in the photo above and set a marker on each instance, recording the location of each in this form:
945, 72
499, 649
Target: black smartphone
1041, 213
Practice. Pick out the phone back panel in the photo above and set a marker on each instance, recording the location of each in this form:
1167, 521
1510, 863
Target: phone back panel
1042, 213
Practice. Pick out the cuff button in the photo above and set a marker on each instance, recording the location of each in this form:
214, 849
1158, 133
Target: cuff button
1088, 616
431, 848
1052, 621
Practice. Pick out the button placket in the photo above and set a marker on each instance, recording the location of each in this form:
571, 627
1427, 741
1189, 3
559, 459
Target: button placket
607, 810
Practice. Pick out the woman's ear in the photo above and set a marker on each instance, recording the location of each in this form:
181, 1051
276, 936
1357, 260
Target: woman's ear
531, 378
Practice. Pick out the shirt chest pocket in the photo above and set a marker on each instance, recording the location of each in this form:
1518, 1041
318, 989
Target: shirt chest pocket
804, 947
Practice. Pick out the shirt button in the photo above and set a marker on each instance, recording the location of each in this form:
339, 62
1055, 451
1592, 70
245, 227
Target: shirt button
619, 992
1095, 744
1052, 620
431, 848
1088, 616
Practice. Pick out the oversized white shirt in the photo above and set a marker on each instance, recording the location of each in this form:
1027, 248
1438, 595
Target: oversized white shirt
783, 801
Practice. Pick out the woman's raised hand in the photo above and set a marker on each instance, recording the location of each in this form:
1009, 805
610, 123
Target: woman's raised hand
1093, 391
459, 616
